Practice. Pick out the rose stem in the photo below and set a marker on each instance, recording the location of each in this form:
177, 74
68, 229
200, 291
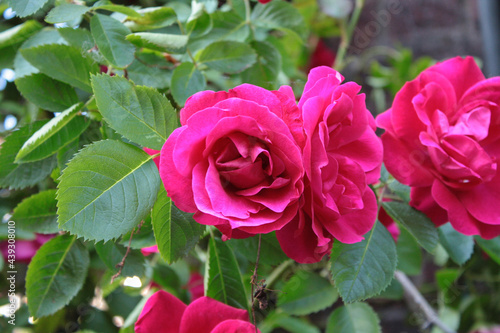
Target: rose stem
415, 297
346, 34
253, 281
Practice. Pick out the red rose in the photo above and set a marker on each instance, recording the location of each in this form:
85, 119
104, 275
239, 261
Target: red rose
164, 313
443, 139
235, 162
342, 155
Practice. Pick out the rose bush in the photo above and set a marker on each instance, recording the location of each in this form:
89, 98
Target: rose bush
442, 138
204, 315
236, 152
341, 156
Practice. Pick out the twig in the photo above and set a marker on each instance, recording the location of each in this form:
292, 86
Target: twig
253, 281
347, 31
415, 297
122, 263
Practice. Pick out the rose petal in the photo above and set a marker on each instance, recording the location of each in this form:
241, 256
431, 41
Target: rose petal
162, 313
178, 187
235, 326
204, 314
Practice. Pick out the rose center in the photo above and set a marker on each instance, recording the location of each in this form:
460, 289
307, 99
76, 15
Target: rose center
242, 161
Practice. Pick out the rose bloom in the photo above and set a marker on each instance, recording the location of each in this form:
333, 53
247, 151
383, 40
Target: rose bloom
342, 155
25, 249
442, 138
235, 162
164, 313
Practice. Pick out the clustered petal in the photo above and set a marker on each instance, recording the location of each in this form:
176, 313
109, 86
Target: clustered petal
441, 138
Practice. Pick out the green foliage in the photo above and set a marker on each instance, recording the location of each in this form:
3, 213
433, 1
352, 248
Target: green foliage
38, 213
409, 253
227, 56
47, 93
415, 222
290, 324
140, 114
26, 7
364, 269
66, 13
112, 254
186, 81
306, 293
18, 34
354, 318
64, 63
55, 275
106, 190
223, 281
270, 250
490, 246
265, 70
279, 15
459, 247
109, 35
159, 42
54, 135
17, 176
176, 232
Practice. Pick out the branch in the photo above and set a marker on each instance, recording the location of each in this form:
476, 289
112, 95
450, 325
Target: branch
414, 297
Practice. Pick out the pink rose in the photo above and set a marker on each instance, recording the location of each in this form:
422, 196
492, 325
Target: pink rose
25, 249
235, 162
164, 313
342, 155
443, 139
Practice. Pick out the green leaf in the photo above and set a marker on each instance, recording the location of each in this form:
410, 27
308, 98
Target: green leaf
354, 318
46, 36
54, 135
364, 269
17, 176
141, 114
200, 25
152, 18
186, 81
409, 253
169, 43
47, 93
117, 8
66, 13
19, 33
112, 254
403, 191
279, 15
64, 63
55, 275
287, 323
37, 213
109, 35
270, 250
417, 223
490, 246
223, 280
460, 247
106, 190
228, 57
265, 70
77, 37
225, 26
150, 69
305, 293
24, 8
175, 231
